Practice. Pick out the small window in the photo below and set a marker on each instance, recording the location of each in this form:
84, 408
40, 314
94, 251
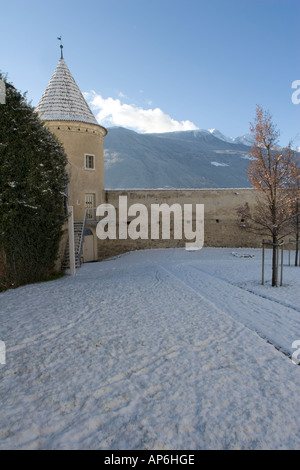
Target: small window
89, 162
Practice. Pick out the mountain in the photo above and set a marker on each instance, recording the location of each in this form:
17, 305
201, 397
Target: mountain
246, 139
186, 159
220, 136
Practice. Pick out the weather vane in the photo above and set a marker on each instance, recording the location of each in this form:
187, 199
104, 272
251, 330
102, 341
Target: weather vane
61, 47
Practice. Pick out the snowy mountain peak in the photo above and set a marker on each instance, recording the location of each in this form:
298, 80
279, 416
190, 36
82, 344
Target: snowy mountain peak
220, 136
246, 139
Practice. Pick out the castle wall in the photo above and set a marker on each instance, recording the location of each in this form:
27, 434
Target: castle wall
220, 218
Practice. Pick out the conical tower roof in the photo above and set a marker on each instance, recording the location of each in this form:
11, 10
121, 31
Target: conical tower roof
63, 100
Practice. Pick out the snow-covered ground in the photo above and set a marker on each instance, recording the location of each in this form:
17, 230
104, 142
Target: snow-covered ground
162, 349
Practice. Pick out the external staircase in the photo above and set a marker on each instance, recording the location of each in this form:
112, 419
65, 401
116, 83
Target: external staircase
79, 228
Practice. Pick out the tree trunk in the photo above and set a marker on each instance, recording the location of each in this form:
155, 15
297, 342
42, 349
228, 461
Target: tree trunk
297, 249
274, 262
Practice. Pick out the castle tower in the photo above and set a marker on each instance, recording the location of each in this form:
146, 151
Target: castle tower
67, 114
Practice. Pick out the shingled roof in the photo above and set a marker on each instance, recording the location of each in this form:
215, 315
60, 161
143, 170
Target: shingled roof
63, 100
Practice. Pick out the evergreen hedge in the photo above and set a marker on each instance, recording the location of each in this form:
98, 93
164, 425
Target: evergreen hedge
32, 193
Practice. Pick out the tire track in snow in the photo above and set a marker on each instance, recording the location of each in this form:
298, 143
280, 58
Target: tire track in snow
277, 321
290, 306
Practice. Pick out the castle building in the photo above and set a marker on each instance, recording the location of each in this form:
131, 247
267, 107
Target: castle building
67, 115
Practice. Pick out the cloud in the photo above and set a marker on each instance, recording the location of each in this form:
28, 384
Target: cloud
111, 112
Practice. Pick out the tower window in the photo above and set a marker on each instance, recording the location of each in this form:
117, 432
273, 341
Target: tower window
89, 162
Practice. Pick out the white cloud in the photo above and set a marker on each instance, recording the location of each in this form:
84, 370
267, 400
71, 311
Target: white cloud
111, 112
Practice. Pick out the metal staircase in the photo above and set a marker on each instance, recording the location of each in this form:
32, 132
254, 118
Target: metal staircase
79, 228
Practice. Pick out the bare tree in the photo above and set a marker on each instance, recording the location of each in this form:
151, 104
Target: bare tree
271, 172
295, 222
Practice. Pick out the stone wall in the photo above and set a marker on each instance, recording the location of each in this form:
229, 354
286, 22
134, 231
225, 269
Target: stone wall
220, 218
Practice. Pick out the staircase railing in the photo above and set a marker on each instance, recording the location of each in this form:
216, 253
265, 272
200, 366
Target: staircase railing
82, 236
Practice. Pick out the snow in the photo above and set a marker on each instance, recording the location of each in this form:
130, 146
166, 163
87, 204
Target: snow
246, 139
248, 157
218, 164
161, 349
220, 136
62, 100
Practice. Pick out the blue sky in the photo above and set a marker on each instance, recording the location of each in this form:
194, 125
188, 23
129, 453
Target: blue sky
162, 64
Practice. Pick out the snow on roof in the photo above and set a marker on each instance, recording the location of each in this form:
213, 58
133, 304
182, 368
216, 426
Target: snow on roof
63, 100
